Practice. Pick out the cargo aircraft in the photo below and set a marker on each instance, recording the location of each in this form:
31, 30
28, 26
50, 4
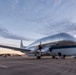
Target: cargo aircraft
61, 45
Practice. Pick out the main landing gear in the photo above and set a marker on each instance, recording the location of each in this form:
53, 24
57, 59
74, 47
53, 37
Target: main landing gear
38, 54
38, 57
53, 57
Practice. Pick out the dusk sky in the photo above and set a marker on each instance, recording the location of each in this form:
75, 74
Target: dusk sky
29, 20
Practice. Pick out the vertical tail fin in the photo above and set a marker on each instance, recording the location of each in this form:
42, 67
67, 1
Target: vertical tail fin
21, 44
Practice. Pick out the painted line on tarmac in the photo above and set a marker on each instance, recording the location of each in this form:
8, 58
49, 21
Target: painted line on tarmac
3, 66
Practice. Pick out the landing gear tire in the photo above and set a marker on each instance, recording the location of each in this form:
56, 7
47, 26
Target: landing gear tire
53, 57
63, 57
38, 57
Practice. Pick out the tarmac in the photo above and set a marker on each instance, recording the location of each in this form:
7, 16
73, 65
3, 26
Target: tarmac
32, 66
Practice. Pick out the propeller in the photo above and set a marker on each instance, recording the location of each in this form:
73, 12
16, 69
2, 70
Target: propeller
40, 47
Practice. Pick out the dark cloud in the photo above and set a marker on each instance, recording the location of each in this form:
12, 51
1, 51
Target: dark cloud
6, 34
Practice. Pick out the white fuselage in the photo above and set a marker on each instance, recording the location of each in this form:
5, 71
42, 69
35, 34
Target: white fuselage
63, 40
66, 51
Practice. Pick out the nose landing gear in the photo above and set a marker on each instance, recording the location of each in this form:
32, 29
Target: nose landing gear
61, 56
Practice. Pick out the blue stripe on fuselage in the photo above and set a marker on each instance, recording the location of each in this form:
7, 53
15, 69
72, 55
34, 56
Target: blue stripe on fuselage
63, 47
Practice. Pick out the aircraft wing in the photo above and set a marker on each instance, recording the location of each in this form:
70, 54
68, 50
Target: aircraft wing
15, 48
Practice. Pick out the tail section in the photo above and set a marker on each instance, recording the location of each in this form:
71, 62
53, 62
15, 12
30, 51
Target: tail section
21, 44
